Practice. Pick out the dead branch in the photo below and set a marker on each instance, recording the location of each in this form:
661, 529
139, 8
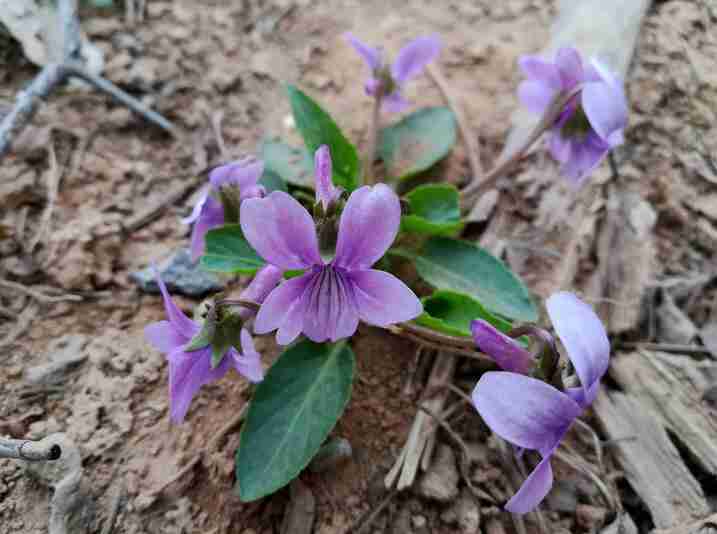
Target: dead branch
55, 74
37, 295
476, 188
30, 451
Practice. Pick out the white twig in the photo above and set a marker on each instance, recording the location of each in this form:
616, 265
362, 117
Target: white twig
31, 451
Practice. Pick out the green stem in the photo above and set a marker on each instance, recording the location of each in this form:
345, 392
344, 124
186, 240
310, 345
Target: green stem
368, 177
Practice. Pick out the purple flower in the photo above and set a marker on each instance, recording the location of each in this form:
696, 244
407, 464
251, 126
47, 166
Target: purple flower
411, 60
208, 212
534, 415
259, 288
327, 301
189, 371
326, 192
507, 352
591, 124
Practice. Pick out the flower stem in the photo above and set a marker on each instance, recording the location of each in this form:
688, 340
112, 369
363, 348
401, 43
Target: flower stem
368, 178
437, 340
475, 189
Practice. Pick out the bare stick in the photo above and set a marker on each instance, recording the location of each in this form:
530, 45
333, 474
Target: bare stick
666, 347
373, 128
40, 297
548, 119
30, 451
27, 102
53, 186
54, 74
472, 146
363, 524
123, 98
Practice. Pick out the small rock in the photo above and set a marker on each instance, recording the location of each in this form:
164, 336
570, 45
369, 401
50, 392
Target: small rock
181, 276
674, 325
465, 513
440, 482
589, 517
64, 354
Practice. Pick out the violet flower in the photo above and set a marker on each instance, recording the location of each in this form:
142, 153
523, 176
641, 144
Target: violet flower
208, 212
326, 192
189, 371
388, 81
327, 301
506, 351
534, 415
593, 121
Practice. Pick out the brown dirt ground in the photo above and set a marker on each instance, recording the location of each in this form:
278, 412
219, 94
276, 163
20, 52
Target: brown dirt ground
199, 62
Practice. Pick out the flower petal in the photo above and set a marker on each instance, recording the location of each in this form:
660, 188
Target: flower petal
280, 230
507, 352
248, 363
382, 299
329, 309
606, 109
584, 157
584, 339
326, 192
211, 216
243, 173
570, 67
283, 309
535, 96
538, 70
182, 324
188, 372
368, 226
198, 206
394, 103
534, 489
413, 58
263, 283
163, 336
371, 55
524, 411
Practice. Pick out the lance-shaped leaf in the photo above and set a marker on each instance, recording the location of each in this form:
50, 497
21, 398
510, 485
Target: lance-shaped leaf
434, 210
291, 414
318, 128
228, 252
417, 142
452, 312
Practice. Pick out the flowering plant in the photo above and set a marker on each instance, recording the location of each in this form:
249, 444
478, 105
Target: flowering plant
323, 262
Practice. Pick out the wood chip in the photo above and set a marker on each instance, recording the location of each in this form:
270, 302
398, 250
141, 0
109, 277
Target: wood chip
652, 464
673, 393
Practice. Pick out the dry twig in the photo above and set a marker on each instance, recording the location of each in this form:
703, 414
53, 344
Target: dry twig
55, 74
30, 451
37, 295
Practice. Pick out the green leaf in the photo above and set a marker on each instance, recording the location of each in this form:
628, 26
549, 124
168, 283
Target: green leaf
293, 410
434, 210
293, 165
228, 251
452, 313
318, 128
417, 142
272, 181
466, 268
203, 337
226, 335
